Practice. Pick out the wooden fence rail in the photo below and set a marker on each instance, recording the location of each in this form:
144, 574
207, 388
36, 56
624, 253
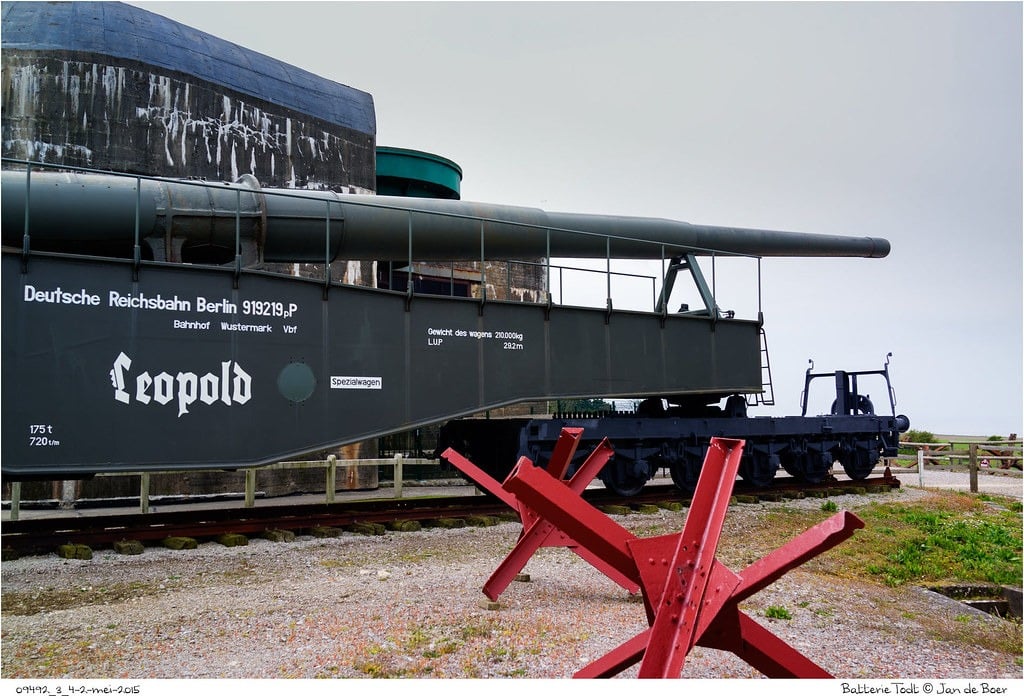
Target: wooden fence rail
330, 466
1006, 454
979, 456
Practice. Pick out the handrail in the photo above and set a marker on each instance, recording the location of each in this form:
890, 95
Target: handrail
249, 185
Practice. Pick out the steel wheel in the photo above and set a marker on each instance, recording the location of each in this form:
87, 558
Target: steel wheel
758, 468
859, 462
685, 474
623, 478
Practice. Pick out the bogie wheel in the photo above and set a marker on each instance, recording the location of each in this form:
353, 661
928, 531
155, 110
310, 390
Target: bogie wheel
858, 463
685, 474
810, 467
621, 479
758, 468
795, 464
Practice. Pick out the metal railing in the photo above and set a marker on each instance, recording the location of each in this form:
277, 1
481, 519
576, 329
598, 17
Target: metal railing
659, 256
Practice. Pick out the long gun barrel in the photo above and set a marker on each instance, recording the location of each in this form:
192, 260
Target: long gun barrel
98, 212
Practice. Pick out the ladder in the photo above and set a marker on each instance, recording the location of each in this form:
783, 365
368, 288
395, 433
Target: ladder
767, 397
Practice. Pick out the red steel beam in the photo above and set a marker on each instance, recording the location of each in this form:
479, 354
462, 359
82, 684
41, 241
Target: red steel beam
729, 631
685, 594
577, 518
565, 449
537, 532
691, 597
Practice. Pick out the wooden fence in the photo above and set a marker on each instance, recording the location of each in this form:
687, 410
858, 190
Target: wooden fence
1003, 454
977, 456
989, 456
330, 465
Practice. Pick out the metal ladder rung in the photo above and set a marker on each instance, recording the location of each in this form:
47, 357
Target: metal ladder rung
768, 396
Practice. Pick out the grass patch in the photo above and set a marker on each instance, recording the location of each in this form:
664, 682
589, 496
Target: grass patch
777, 612
947, 538
927, 543
484, 647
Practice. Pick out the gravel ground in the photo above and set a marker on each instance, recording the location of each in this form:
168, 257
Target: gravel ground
409, 605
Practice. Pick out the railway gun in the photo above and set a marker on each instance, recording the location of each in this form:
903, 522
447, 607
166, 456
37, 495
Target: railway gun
145, 327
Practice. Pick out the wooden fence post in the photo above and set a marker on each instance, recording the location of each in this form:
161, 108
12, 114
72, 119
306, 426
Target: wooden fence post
144, 492
398, 475
332, 472
15, 500
250, 487
972, 450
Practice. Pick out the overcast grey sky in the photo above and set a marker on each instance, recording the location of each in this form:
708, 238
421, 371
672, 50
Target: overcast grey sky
901, 121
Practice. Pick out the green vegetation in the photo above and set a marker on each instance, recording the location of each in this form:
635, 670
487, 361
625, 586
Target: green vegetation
945, 539
918, 437
930, 545
584, 405
949, 538
777, 612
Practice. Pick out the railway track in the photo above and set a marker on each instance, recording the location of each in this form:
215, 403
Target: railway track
43, 535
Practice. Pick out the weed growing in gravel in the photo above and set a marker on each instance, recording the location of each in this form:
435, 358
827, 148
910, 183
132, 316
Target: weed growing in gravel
497, 654
374, 670
470, 647
378, 661
437, 650
777, 612
416, 638
477, 629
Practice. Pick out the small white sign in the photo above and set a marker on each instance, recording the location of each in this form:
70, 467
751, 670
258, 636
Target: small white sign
357, 382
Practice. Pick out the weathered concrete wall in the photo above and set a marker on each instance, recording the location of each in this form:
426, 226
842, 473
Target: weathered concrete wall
93, 111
